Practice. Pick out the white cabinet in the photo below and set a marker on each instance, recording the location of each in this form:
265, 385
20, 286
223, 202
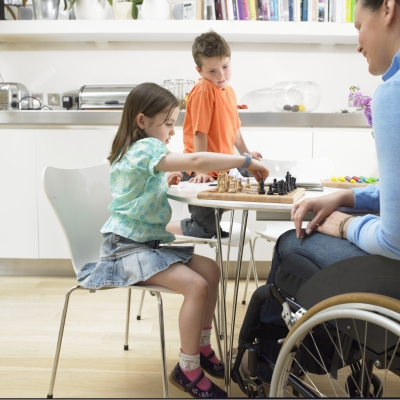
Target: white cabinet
18, 202
63, 148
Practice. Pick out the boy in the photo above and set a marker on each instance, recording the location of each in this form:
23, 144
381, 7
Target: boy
211, 124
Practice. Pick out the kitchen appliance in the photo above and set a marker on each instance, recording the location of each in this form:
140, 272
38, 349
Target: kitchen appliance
13, 96
95, 97
184, 10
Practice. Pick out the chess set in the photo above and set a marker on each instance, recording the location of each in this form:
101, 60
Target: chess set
231, 189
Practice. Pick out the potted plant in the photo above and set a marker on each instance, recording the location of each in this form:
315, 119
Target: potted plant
126, 9
89, 9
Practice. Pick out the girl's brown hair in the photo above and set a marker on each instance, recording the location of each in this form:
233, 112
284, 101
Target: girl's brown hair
149, 99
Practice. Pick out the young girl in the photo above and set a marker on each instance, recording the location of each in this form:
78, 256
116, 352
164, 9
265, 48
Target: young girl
131, 251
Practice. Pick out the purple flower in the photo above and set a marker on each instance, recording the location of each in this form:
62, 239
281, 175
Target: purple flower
359, 100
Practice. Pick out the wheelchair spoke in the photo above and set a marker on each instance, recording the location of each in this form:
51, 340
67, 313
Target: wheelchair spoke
351, 352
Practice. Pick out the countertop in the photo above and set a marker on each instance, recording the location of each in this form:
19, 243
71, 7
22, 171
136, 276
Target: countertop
32, 118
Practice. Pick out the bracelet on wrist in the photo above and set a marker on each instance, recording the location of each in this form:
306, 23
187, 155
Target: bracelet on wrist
248, 160
341, 226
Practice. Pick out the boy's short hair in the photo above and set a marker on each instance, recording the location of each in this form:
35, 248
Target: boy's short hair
209, 45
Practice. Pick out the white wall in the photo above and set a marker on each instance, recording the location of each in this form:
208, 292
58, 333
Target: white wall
62, 67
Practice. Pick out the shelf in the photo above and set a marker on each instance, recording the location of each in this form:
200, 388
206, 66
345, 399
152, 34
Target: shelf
327, 33
34, 119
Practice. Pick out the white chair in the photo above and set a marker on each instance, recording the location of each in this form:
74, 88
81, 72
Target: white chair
309, 169
80, 199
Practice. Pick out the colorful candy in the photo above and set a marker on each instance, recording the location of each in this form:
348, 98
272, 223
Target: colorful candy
354, 179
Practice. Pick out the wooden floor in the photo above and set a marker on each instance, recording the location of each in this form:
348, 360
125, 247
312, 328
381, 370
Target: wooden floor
93, 363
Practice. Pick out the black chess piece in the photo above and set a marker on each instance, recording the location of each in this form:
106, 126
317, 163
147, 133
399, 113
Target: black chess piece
294, 183
261, 190
289, 182
281, 186
270, 190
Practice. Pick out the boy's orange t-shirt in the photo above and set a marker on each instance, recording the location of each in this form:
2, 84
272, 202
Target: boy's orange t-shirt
212, 111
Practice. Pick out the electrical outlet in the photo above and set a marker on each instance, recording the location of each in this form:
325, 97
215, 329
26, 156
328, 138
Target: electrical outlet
53, 99
40, 97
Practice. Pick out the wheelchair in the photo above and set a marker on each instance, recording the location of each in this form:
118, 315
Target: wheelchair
339, 335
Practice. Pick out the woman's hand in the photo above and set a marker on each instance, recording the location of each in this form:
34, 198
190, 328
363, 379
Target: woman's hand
322, 207
201, 177
330, 226
173, 178
258, 170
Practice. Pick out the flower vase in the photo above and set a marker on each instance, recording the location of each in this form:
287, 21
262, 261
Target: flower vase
155, 9
122, 9
91, 9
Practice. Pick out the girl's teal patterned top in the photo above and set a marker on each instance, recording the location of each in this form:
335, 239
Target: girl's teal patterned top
140, 209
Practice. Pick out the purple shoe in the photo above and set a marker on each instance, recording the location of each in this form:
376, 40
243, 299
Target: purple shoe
215, 370
179, 379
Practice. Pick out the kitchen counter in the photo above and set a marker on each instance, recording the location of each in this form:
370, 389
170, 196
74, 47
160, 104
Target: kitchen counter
31, 119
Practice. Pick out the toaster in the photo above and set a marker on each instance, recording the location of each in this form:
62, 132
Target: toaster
92, 97
14, 96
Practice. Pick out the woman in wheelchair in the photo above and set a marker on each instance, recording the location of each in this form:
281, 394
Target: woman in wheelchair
328, 321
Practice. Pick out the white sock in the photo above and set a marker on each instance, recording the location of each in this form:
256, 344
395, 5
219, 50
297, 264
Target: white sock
188, 362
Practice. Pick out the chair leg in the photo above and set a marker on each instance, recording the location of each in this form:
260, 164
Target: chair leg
252, 265
139, 314
128, 312
162, 342
246, 285
221, 356
59, 341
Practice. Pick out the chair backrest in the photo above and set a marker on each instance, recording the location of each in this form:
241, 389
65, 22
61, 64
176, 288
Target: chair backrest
308, 168
80, 199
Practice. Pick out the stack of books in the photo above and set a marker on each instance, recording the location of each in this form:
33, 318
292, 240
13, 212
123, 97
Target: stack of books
280, 10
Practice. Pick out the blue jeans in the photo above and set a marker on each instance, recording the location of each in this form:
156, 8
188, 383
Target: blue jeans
321, 249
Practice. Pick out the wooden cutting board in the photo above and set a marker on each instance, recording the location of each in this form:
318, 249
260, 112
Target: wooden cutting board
252, 195
344, 185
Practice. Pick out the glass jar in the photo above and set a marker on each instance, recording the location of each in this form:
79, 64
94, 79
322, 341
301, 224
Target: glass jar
296, 96
180, 88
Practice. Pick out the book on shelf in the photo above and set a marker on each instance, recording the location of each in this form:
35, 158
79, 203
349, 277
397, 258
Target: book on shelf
245, 10
252, 10
304, 10
266, 12
229, 10
235, 12
240, 10
223, 9
260, 13
218, 12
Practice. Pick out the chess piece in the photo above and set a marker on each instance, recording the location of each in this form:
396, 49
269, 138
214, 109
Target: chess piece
231, 187
261, 186
294, 183
270, 190
281, 191
239, 187
248, 186
221, 184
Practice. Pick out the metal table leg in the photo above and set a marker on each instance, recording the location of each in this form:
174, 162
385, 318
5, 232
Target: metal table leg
235, 296
222, 300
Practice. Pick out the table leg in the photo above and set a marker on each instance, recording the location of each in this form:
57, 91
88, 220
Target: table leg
235, 294
222, 300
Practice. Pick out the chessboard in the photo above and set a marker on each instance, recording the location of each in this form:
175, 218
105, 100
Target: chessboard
252, 195
228, 188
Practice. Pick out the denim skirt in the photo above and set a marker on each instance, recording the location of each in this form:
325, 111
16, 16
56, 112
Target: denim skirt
124, 262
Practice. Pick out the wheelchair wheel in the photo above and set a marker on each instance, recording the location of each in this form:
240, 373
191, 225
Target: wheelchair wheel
346, 346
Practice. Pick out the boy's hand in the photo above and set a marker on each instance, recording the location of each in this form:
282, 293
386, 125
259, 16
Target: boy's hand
255, 154
258, 170
202, 177
173, 178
